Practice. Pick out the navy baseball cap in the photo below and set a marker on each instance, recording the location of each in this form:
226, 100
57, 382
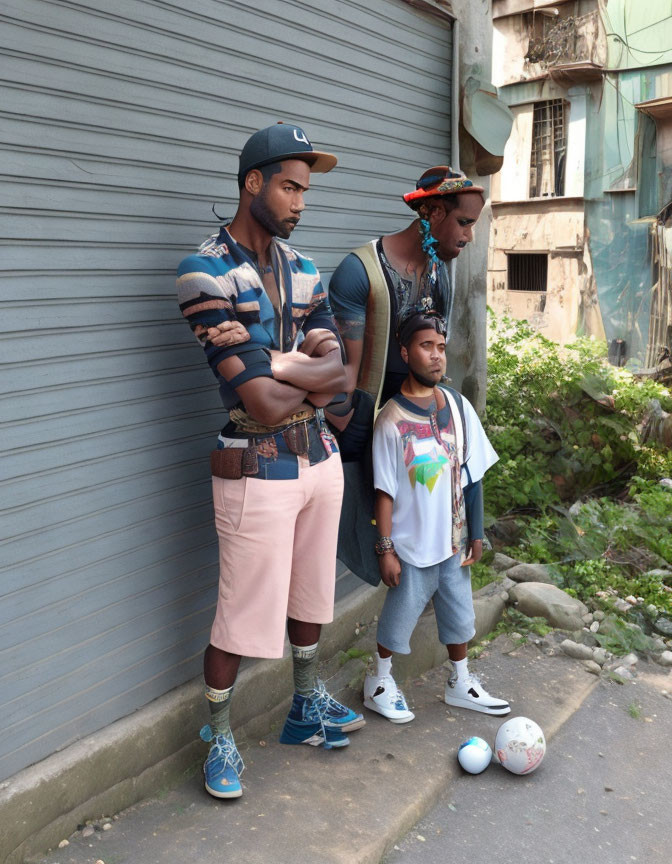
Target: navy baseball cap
279, 142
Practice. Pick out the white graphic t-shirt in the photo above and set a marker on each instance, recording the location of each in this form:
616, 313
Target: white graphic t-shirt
416, 461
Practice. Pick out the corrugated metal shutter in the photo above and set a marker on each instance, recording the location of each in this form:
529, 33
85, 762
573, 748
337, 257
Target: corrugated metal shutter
120, 124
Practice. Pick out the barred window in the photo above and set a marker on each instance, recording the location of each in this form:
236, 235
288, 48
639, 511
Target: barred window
549, 148
527, 272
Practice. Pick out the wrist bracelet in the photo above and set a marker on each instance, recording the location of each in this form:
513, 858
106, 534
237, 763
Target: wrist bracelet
383, 545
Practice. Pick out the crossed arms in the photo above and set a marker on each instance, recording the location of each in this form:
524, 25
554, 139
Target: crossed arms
314, 373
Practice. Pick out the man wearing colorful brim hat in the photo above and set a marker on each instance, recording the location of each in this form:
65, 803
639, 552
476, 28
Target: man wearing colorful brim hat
399, 271
259, 311
392, 275
381, 294
372, 289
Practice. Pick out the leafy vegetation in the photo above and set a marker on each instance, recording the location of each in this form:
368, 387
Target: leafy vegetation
635, 710
353, 653
481, 573
621, 637
565, 425
512, 622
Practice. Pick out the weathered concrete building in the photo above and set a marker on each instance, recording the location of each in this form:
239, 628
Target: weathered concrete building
586, 171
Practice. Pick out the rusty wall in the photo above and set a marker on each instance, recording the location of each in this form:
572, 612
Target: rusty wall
558, 312
527, 46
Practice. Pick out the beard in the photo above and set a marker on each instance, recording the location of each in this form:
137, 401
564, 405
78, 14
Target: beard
260, 210
421, 379
446, 255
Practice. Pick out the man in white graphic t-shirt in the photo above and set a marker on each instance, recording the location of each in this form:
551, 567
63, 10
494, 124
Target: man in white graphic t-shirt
429, 456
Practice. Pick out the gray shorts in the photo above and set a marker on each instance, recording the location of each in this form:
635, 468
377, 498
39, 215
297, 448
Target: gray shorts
449, 587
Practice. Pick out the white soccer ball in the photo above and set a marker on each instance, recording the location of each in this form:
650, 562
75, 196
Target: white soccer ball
474, 755
520, 745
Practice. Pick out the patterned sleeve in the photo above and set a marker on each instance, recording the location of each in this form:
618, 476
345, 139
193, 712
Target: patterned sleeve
386, 449
349, 293
208, 298
310, 303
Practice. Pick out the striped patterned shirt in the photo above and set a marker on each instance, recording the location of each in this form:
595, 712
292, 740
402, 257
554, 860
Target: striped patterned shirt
222, 283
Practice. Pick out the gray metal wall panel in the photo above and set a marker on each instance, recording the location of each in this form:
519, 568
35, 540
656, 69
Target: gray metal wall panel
119, 125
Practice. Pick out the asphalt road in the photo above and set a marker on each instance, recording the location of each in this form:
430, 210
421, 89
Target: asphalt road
306, 805
602, 795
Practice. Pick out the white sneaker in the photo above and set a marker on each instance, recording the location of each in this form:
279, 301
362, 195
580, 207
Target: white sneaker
470, 693
381, 694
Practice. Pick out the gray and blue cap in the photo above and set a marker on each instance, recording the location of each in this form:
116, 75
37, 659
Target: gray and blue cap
277, 143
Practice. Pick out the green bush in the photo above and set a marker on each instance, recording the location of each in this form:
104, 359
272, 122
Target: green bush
564, 423
620, 638
562, 420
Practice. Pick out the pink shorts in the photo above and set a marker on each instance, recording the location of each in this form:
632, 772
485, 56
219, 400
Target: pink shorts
277, 555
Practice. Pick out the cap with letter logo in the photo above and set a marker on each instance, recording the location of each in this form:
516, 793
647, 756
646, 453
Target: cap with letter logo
279, 142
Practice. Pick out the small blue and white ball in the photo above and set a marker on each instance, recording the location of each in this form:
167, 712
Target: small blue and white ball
474, 755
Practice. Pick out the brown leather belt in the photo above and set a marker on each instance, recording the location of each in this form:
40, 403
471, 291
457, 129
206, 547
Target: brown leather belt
232, 463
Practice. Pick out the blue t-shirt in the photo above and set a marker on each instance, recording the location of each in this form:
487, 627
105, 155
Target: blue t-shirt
349, 294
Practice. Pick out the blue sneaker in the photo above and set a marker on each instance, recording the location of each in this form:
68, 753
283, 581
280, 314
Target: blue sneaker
307, 724
223, 766
336, 716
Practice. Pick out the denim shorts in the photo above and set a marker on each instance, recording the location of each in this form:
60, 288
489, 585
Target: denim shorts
449, 587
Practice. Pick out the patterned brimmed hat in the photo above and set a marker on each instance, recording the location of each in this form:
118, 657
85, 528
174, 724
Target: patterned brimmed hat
440, 180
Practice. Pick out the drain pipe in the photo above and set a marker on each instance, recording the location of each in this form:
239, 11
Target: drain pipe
455, 100
454, 122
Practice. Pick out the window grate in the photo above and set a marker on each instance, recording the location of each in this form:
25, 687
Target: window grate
549, 148
528, 272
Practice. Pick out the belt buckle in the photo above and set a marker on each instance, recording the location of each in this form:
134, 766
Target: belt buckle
296, 438
250, 460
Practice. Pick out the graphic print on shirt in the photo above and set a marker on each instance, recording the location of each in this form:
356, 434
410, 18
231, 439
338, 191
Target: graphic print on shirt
426, 460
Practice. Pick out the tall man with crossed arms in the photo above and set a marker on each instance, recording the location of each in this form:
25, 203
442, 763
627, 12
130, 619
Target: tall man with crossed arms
258, 309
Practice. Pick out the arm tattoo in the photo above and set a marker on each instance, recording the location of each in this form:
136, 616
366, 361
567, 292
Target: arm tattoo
351, 330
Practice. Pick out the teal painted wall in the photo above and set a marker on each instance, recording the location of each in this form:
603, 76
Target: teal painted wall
622, 181
639, 35
616, 136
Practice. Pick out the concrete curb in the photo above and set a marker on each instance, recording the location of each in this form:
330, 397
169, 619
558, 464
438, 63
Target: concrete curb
307, 805
153, 749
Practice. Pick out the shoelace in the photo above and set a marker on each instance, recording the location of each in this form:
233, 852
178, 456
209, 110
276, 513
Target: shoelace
398, 698
470, 681
223, 750
320, 704
474, 680
321, 696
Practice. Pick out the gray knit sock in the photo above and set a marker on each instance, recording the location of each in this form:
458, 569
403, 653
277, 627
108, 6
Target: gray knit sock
220, 705
305, 663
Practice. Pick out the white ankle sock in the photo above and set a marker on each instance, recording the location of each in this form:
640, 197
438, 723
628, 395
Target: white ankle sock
461, 668
383, 665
